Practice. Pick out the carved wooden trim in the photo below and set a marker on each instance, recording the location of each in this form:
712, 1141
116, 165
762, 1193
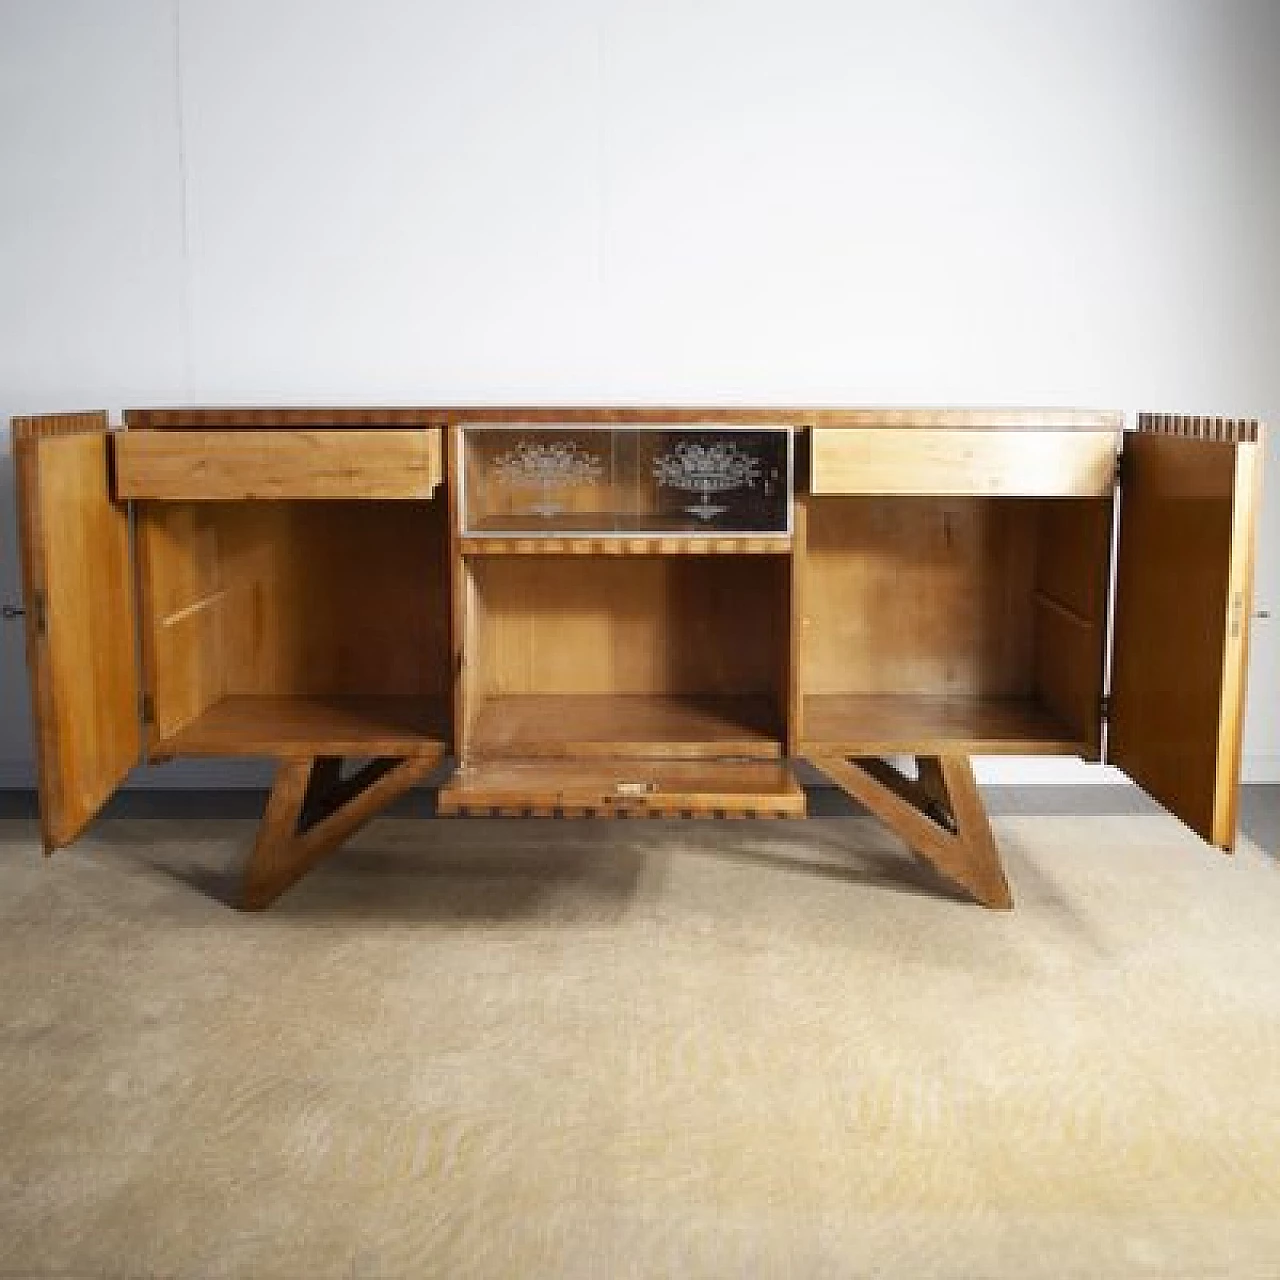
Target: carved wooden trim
1190, 427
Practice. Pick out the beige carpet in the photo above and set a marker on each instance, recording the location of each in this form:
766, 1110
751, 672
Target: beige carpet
536, 1049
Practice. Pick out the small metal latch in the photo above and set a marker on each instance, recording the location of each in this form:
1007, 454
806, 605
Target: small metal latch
635, 788
11, 611
1105, 706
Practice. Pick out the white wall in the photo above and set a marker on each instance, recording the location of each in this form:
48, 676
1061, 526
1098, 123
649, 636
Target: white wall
1066, 202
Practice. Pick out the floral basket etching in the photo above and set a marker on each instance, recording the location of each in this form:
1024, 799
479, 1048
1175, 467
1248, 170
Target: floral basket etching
707, 469
549, 467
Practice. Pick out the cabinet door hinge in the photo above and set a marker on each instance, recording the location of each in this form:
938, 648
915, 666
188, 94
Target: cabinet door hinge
146, 708
1104, 707
40, 613
1120, 467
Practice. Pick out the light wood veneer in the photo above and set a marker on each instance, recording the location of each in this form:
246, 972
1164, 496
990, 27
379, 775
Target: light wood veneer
300, 587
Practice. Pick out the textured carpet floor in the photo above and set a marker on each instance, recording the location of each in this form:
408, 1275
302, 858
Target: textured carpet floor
537, 1049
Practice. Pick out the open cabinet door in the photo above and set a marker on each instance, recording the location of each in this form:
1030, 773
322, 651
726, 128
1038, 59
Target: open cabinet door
81, 632
1188, 504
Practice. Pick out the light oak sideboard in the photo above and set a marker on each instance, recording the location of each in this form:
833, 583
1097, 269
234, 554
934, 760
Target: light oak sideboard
636, 612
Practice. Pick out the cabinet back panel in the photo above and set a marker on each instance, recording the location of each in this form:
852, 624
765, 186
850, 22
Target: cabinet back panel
636, 624
294, 597
919, 596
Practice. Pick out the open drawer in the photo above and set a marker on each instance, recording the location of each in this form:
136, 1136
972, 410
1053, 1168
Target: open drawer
623, 789
964, 461
308, 463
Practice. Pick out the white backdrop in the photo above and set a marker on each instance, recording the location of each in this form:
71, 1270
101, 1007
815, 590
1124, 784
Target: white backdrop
1070, 202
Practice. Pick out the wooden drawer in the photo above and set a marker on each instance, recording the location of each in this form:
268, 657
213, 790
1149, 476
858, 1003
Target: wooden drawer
311, 463
996, 463
623, 789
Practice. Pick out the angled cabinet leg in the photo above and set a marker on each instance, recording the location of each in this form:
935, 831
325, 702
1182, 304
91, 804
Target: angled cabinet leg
984, 875
274, 848
311, 811
940, 816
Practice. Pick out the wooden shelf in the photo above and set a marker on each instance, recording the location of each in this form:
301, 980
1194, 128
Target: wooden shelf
260, 725
659, 726
907, 724
624, 545
623, 789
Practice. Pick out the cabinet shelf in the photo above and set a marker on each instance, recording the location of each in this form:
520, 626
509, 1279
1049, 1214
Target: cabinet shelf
301, 725
908, 724
660, 726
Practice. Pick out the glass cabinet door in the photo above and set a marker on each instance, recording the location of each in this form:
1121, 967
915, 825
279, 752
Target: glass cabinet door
657, 480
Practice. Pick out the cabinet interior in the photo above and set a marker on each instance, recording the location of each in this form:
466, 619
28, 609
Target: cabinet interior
962, 624
652, 655
284, 624
967, 620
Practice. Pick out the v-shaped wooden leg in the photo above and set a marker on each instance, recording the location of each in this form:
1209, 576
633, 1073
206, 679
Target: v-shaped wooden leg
311, 811
940, 815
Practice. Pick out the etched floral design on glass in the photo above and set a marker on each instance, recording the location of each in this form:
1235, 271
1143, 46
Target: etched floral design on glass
550, 467
707, 469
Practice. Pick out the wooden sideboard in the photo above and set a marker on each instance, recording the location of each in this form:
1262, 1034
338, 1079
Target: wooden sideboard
323, 586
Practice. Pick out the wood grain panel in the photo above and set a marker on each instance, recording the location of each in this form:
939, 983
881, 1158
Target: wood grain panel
334, 599
180, 541
639, 788
907, 724
936, 462
1183, 600
919, 596
669, 625
207, 465
291, 598
1070, 656
309, 725
81, 633
1073, 568
187, 670
649, 725
179, 618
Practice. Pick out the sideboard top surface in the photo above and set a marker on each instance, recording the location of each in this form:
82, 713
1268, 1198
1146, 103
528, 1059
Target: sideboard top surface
349, 416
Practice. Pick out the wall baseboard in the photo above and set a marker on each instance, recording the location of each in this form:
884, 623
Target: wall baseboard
1261, 768
1001, 771
825, 801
